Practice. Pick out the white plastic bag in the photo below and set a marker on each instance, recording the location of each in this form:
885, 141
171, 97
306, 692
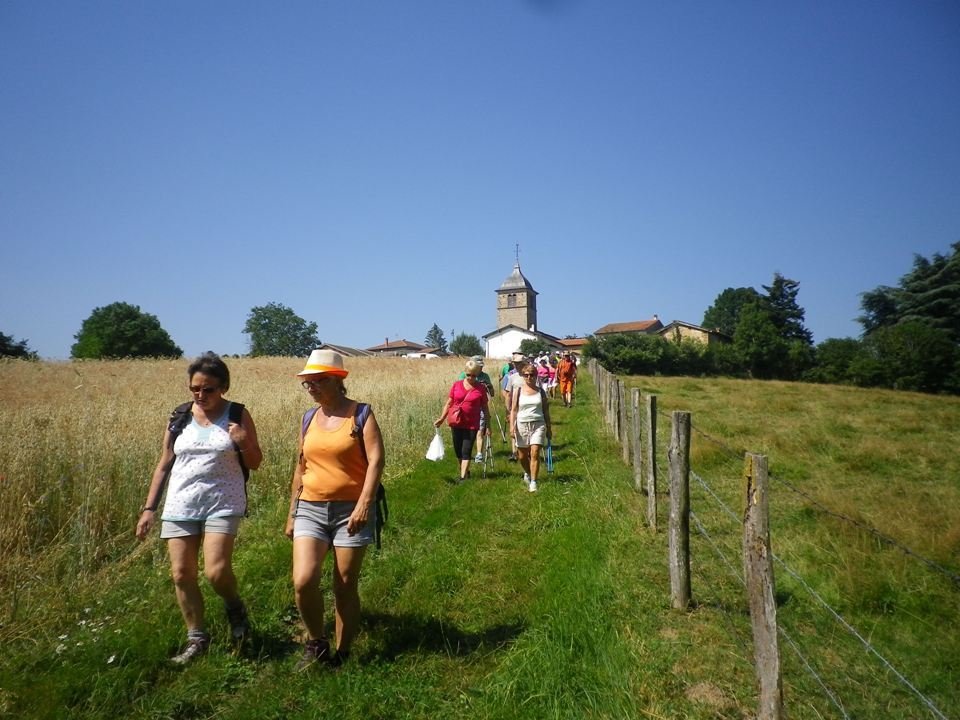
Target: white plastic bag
435, 451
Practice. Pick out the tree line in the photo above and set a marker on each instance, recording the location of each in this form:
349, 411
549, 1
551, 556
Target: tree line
910, 339
122, 330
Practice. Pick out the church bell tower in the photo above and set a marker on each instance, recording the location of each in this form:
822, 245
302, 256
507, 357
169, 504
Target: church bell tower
517, 301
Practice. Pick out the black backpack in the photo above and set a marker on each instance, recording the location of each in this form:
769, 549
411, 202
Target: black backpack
360, 416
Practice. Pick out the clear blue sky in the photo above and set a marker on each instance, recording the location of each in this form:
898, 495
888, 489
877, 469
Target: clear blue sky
373, 164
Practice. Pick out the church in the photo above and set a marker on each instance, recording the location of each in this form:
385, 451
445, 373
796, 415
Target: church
516, 318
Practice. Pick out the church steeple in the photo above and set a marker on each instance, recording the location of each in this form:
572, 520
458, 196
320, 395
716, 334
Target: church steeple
517, 300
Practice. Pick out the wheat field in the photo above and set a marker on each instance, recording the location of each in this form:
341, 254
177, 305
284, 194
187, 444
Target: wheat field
81, 439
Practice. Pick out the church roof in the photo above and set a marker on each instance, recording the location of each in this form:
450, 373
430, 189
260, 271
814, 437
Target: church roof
516, 281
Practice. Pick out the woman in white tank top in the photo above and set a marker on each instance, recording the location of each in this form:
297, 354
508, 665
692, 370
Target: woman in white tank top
530, 421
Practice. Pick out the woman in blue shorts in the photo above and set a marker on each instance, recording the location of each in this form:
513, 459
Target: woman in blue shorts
205, 500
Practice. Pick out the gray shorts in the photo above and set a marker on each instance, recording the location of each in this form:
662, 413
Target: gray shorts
228, 525
327, 521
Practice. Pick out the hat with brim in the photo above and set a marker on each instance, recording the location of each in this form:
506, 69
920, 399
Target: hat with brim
517, 357
324, 362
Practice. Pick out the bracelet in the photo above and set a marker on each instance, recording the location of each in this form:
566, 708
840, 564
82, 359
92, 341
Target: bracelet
146, 507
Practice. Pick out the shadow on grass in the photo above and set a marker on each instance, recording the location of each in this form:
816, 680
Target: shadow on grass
390, 636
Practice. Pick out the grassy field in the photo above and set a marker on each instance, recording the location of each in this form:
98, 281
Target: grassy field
486, 601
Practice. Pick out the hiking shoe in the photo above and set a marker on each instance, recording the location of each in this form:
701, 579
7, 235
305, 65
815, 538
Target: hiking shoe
314, 651
478, 458
338, 658
532, 487
239, 623
195, 648
526, 478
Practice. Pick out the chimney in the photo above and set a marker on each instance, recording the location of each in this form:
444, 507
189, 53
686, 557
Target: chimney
386, 341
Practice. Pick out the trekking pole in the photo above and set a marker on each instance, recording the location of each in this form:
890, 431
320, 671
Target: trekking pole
549, 457
503, 435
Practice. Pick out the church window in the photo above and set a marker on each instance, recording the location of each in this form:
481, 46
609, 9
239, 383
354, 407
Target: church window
512, 300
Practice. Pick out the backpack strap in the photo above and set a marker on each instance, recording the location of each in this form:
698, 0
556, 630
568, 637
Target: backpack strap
360, 416
235, 415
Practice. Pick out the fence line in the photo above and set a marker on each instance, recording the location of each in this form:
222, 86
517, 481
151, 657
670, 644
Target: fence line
883, 537
617, 415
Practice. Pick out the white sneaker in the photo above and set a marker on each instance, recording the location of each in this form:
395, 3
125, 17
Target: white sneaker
526, 478
478, 458
533, 486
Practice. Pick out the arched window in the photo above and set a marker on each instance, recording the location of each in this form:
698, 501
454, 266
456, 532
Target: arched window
512, 300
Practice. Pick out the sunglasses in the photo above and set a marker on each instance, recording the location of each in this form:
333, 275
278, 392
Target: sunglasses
529, 374
307, 384
203, 390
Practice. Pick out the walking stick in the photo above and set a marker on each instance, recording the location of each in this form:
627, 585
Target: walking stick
503, 435
549, 457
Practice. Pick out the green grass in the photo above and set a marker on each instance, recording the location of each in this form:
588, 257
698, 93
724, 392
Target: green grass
487, 601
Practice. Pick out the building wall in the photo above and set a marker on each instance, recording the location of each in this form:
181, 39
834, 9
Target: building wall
517, 307
503, 345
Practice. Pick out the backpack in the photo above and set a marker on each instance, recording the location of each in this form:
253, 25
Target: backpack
181, 417
360, 416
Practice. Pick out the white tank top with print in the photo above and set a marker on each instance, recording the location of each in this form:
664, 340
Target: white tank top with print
206, 480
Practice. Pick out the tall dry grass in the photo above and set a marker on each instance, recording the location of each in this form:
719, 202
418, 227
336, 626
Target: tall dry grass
80, 441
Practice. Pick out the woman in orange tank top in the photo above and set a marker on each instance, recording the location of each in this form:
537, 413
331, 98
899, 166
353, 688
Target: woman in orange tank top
332, 505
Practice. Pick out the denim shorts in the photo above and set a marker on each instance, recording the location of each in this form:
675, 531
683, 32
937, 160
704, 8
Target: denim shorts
327, 521
228, 525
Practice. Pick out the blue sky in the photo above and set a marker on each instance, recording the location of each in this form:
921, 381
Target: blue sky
373, 165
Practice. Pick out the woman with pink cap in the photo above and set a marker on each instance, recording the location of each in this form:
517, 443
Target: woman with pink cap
332, 505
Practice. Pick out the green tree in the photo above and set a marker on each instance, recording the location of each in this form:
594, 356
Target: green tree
929, 293
435, 338
785, 313
834, 359
121, 330
532, 347
277, 331
464, 344
724, 314
15, 349
758, 343
911, 355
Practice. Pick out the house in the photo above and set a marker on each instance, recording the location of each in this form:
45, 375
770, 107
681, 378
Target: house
397, 347
637, 327
574, 345
502, 342
679, 330
345, 351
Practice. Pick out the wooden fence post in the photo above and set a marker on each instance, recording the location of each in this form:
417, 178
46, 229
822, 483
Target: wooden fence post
761, 589
635, 433
679, 531
622, 421
650, 450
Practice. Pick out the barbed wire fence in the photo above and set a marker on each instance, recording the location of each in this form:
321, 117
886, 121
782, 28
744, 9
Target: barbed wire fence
715, 517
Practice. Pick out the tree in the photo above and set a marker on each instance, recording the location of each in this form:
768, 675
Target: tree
435, 339
785, 313
531, 347
929, 293
759, 346
121, 330
15, 349
276, 330
464, 344
724, 314
834, 359
911, 355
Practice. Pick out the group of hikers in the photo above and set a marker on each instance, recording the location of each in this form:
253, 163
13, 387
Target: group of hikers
210, 445
525, 383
